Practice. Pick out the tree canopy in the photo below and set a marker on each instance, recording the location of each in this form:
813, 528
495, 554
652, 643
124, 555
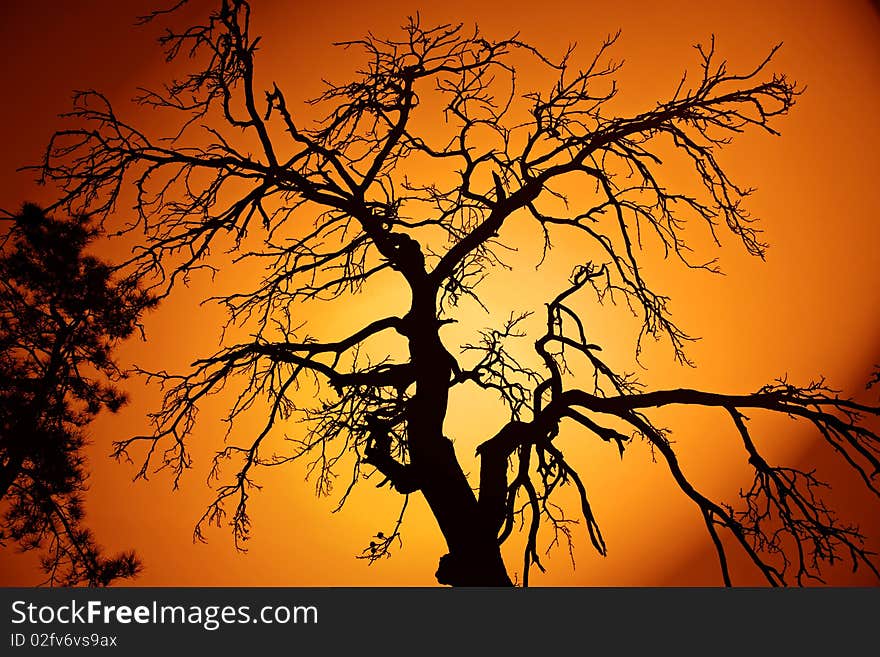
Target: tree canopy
324, 207
62, 312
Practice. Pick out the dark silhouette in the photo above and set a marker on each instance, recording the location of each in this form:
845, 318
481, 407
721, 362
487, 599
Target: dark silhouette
61, 314
327, 206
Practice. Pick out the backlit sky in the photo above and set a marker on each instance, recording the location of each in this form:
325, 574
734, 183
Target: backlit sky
811, 309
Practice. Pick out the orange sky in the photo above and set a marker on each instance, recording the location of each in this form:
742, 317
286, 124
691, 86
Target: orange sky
811, 308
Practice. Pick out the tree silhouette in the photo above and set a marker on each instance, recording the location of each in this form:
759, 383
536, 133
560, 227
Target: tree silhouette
61, 314
336, 202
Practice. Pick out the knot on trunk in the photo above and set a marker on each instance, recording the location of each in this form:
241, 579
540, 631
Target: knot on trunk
401, 476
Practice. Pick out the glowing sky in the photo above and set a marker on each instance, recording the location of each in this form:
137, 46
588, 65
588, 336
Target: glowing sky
812, 308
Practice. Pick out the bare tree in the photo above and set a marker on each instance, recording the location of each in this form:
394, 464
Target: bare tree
334, 204
62, 313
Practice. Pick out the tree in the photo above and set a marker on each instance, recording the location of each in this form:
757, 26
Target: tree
61, 315
336, 204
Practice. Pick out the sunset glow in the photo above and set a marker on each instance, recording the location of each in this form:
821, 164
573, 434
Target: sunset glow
811, 309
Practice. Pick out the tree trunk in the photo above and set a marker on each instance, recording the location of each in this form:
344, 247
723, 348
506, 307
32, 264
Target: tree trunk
474, 557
